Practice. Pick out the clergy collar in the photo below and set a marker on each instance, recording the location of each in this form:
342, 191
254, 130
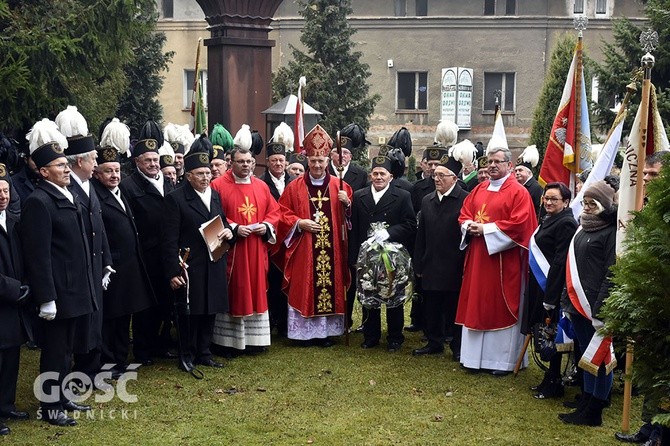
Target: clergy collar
317, 181
239, 180
495, 185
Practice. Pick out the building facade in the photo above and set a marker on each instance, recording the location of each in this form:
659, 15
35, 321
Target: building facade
429, 59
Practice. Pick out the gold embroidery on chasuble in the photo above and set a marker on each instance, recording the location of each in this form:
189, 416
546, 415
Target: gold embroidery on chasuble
481, 216
322, 251
247, 209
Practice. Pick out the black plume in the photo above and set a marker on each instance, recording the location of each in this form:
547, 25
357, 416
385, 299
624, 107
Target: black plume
256, 142
402, 140
357, 135
9, 154
397, 162
202, 144
151, 130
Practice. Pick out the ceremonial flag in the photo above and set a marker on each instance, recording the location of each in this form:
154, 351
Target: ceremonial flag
569, 148
198, 117
656, 139
299, 127
603, 165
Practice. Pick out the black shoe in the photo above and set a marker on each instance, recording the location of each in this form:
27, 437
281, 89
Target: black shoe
209, 362
573, 404
413, 328
326, 342
456, 357
427, 350
253, 350
58, 418
545, 381
637, 437
369, 344
15, 415
592, 415
500, 373
552, 389
4, 430
394, 346
71, 405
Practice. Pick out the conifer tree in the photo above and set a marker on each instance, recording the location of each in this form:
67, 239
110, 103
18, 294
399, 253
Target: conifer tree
336, 77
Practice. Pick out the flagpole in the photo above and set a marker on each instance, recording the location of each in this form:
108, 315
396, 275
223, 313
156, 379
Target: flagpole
196, 80
580, 24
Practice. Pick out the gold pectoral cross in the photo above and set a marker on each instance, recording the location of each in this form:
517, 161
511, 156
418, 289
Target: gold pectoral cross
319, 199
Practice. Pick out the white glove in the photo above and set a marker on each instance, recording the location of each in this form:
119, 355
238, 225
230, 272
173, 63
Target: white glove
547, 306
48, 310
597, 324
106, 279
381, 236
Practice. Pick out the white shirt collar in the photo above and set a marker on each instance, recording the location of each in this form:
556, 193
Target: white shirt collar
157, 182
85, 185
345, 169
279, 182
439, 195
3, 220
239, 180
376, 196
63, 190
317, 181
495, 185
205, 196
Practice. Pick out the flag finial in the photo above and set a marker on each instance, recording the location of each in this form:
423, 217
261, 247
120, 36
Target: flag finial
580, 23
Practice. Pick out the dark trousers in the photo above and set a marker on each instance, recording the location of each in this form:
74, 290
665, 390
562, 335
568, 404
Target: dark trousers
277, 302
416, 314
89, 362
56, 341
9, 374
116, 341
372, 329
440, 312
151, 332
196, 345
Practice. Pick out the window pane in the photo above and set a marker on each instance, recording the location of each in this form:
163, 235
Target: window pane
421, 7
489, 7
406, 89
508, 100
423, 91
510, 7
400, 8
188, 87
492, 82
168, 9
579, 6
601, 6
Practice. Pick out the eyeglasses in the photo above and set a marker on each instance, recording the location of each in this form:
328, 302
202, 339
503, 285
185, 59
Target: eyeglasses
60, 166
244, 161
552, 199
202, 175
497, 162
589, 204
443, 175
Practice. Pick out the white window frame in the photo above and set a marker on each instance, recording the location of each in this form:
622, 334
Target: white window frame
504, 87
578, 7
416, 91
188, 87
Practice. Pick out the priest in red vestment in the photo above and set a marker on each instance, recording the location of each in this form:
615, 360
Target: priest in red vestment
313, 227
254, 216
497, 220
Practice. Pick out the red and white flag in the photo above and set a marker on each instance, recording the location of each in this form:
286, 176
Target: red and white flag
299, 127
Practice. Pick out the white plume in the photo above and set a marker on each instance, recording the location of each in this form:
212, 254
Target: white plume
283, 134
179, 133
166, 149
243, 137
71, 123
530, 155
446, 133
302, 82
45, 131
464, 152
116, 134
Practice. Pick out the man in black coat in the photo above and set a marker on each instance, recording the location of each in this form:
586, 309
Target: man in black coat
382, 202
145, 190
276, 178
60, 274
131, 291
438, 260
12, 294
81, 155
205, 294
524, 176
25, 179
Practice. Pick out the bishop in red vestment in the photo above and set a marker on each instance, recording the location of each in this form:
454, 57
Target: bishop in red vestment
316, 276
497, 220
254, 215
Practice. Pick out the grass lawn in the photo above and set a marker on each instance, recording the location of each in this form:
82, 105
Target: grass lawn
335, 396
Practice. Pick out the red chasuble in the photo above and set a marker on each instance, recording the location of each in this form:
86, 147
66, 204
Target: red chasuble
245, 204
316, 275
491, 289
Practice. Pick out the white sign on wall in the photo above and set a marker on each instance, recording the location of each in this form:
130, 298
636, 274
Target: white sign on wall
456, 102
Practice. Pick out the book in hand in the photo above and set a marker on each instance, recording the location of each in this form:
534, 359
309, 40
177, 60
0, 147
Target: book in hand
210, 231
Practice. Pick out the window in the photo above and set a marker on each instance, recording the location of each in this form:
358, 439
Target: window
412, 91
503, 82
579, 7
489, 7
400, 8
601, 6
168, 9
510, 7
188, 87
421, 8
